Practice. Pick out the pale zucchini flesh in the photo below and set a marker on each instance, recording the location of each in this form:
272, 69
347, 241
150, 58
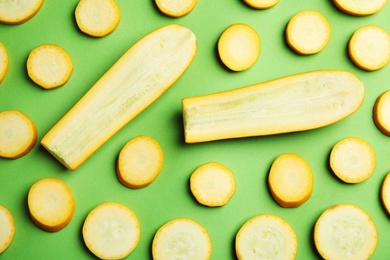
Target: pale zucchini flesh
135, 81
294, 103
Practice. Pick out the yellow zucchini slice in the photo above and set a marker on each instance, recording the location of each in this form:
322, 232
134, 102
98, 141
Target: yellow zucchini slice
239, 47
266, 236
308, 32
261, 4
134, 82
97, 18
290, 180
7, 228
369, 48
212, 184
51, 204
176, 9
49, 66
111, 231
3, 62
293, 103
360, 7
139, 162
182, 238
352, 160
385, 193
345, 232
18, 134
19, 11
381, 113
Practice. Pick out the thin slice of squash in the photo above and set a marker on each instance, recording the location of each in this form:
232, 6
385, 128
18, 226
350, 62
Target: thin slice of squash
18, 11
97, 18
266, 236
345, 232
176, 9
369, 48
18, 134
4, 62
182, 238
360, 7
7, 229
261, 4
134, 82
293, 103
381, 113
51, 204
290, 180
385, 193
308, 32
49, 66
352, 160
111, 231
239, 47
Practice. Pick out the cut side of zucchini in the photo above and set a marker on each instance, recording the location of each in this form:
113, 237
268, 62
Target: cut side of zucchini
3, 62
19, 11
182, 238
111, 231
290, 104
261, 4
369, 48
345, 232
360, 7
381, 113
266, 236
7, 228
134, 82
176, 9
97, 18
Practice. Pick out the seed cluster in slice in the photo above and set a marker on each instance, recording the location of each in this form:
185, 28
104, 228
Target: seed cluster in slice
182, 238
369, 48
49, 66
266, 236
97, 18
51, 204
345, 231
139, 162
111, 231
308, 32
239, 47
18, 134
7, 228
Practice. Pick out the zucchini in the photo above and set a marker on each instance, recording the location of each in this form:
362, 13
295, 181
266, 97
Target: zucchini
294, 103
135, 81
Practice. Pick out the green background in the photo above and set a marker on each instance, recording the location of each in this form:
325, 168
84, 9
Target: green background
169, 197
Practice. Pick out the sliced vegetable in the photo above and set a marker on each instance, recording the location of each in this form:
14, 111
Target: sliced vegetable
51, 204
369, 48
360, 8
308, 32
266, 236
142, 75
182, 238
345, 231
97, 18
176, 9
19, 11
382, 113
139, 162
7, 228
352, 160
18, 134
239, 47
49, 66
3, 62
212, 184
111, 231
290, 180
261, 4
294, 103
385, 193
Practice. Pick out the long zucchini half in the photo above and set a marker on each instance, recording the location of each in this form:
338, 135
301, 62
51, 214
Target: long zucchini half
136, 80
294, 103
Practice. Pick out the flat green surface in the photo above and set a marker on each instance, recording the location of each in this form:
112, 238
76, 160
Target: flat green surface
169, 196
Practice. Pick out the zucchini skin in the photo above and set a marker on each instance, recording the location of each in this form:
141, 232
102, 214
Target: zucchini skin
293, 103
